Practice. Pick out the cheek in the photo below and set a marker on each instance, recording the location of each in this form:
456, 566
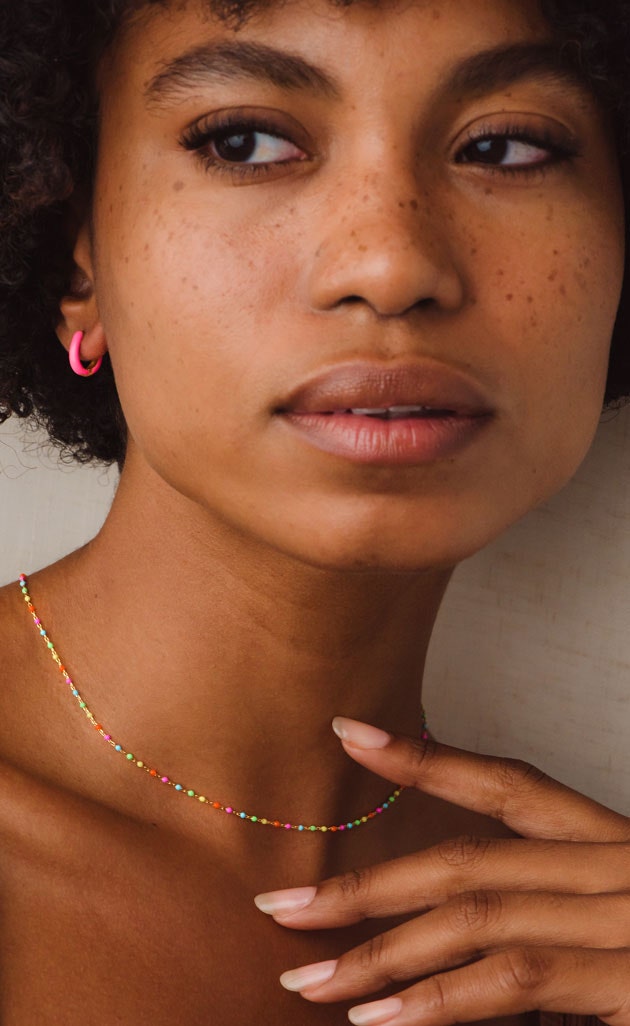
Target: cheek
185, 303
551, 296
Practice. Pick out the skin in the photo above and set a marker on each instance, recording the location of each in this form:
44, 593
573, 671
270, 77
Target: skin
247, 587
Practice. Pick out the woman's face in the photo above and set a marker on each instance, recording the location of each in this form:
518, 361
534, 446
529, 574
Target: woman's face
402, 205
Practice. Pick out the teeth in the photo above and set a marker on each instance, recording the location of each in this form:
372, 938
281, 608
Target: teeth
406, 411
393, 412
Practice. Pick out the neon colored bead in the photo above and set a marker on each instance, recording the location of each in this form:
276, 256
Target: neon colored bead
178, 787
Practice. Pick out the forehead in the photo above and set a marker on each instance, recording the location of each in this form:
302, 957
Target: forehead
331, 32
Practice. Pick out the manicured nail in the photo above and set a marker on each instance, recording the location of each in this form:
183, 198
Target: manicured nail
292, 900
361, 735
376, 1012
308, 976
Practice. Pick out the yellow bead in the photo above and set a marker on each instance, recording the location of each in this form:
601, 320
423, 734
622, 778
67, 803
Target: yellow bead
364, 819
202, 799
264, 821
324, 830
140, 765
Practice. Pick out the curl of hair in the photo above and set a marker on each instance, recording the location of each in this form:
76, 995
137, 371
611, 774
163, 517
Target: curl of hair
48, 143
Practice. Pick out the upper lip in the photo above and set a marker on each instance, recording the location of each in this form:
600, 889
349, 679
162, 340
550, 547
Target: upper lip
373, 385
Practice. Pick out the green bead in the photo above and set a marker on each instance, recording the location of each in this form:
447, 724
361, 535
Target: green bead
191, 794
82, 705
130, 757
254, 819
357, 822
313, 828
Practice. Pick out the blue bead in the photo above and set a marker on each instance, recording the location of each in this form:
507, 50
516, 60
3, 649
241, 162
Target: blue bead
178, 787
385, 805
243, 815
301, 827
75, 693
119, 748
43, 634
349, 825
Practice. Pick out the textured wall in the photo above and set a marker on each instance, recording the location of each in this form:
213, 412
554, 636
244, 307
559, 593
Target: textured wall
531, 655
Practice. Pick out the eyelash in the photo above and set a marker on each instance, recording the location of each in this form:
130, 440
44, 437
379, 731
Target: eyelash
541, 139
199, 137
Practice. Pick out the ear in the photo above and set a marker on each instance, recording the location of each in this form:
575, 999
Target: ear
78, 309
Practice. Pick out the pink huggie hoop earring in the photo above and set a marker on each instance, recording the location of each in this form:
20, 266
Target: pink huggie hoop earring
75, 358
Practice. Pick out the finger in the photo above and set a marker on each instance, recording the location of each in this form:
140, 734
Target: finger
465, 929
509, 790
416, 883
576, 981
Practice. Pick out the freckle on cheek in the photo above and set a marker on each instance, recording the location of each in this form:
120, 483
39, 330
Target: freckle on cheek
178, 186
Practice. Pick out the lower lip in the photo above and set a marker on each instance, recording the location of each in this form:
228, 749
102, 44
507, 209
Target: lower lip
411, 441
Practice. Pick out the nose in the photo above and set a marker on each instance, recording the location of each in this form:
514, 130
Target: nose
386, 246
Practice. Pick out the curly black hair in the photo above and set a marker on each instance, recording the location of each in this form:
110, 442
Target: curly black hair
48, 146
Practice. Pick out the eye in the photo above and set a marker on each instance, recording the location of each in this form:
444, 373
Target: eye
503, 152
240, 146
246, 146
515, 150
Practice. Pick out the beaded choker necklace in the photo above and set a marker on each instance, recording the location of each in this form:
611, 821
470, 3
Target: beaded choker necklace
180, 788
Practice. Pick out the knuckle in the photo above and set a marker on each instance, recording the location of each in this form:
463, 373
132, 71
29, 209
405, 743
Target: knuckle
464, 852
354, 884
371, 955
523, 970
421, 754
517, 775
476, 910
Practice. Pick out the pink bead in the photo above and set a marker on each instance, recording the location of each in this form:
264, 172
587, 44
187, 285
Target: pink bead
107, 737
38, 622
229, 810
342, 826
380, 809
287, 826
164, 780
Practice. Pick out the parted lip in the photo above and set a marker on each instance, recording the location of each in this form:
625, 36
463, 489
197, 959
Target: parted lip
372, 385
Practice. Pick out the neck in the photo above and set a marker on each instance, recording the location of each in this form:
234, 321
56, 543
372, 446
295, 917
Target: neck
225, 664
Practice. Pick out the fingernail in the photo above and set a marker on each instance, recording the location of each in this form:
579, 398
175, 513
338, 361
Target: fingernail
285, 901
376, 1012
360, 734
308, 976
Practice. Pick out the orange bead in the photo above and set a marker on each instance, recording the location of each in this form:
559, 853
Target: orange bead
153, 773
216, 805
277, 823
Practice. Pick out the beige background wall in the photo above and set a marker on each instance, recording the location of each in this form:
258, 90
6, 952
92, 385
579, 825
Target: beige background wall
531, 655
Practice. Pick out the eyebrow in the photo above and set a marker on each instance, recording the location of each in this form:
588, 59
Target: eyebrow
504, 65
226, 61
232, 60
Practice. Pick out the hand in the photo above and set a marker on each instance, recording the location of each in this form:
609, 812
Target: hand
540, 923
